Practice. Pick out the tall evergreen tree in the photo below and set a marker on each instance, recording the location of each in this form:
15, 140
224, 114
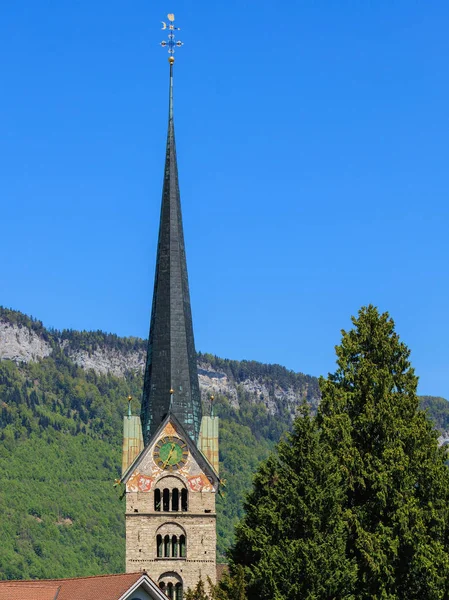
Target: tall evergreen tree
395, 475
291, 541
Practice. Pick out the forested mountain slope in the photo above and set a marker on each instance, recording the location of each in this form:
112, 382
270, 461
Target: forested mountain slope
62, 399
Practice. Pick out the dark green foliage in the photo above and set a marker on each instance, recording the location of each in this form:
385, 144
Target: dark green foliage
198, 592
92, 340
60, 514
354, 503
229, 588
291, 541
60, 446
396, 480
55, 393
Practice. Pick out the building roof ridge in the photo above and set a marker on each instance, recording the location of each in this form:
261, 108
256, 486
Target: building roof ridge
31, 582
138, 574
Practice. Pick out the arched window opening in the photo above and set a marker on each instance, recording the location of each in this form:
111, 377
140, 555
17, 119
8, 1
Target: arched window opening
166, 500
178, 591
184, 500
171, 542
182, 546
174, 546
175, 499
172, 585
157, 500
167, 546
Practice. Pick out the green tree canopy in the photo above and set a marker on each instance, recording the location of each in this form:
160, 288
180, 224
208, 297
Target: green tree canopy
353, 504
291, 541
394, 473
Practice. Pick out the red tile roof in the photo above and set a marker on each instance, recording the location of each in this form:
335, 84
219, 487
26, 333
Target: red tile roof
100, 587
28, 590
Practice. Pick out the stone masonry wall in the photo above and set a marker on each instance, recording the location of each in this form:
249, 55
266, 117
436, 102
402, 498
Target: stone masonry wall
143, 524
198, 523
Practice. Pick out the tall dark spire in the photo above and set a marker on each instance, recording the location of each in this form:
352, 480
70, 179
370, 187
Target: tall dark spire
171, 378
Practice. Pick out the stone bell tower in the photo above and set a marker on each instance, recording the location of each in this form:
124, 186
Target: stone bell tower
172, 483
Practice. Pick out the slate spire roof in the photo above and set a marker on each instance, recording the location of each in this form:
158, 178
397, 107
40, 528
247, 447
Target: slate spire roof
171, 378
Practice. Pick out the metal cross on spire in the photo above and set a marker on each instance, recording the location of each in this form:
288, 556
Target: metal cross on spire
171, 43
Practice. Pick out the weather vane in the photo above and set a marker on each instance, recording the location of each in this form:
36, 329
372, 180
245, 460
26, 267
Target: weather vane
171, 43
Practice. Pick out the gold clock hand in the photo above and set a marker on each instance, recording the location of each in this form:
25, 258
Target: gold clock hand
169, 456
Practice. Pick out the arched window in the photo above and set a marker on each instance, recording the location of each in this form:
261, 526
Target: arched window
171, 542
178, 591
182, 546
167, 546
174, 546
166, 500
184, 500
171, 583
157, 500
170, 494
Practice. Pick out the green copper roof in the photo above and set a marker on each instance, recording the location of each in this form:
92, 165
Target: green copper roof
171, 358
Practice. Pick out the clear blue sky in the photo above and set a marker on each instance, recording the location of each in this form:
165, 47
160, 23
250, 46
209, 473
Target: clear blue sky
313, 147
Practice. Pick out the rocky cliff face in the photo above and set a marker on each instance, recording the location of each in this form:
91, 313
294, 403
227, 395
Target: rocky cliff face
214, 382
21, 343
271, 396
108, 361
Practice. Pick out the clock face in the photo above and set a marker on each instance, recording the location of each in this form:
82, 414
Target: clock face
170, 453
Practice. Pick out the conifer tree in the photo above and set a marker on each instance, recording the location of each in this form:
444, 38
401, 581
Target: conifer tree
395, 475
231, 587
291, 542
228, 588
198, 592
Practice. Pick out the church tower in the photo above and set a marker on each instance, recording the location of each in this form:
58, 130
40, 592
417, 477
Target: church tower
170, 463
